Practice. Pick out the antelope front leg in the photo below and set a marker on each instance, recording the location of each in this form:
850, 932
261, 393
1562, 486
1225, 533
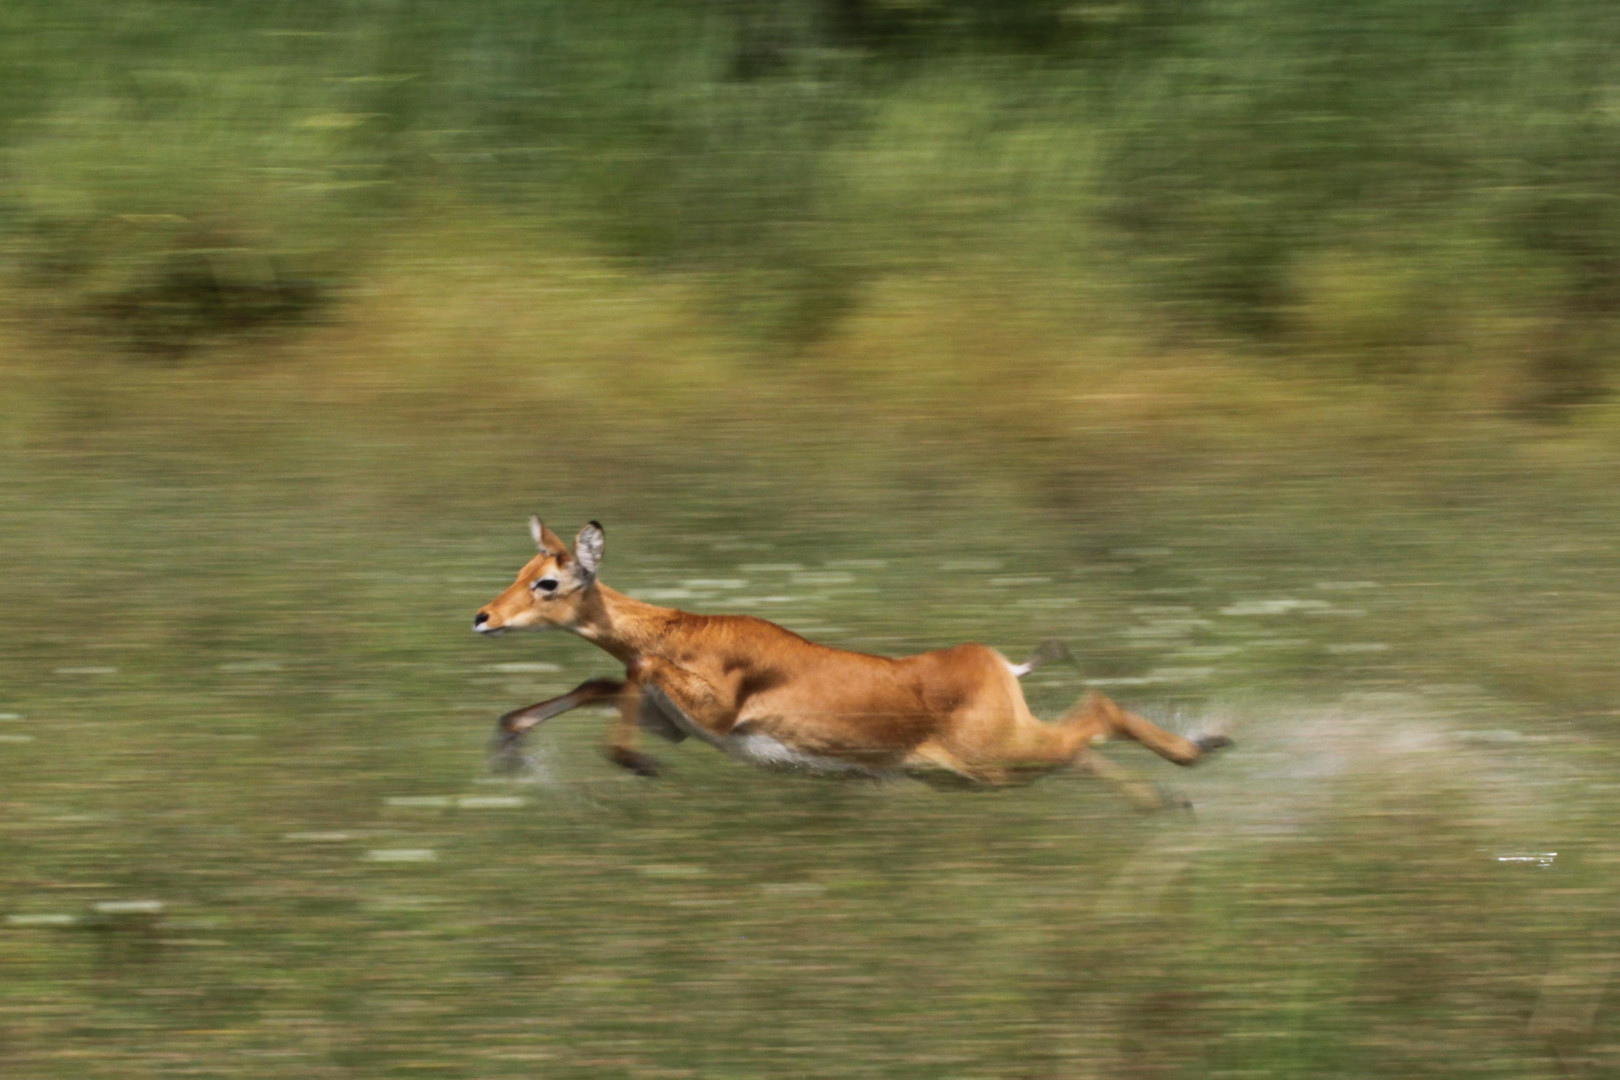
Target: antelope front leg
511, 727
626, 733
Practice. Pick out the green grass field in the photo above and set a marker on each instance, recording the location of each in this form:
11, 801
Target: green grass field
249, 829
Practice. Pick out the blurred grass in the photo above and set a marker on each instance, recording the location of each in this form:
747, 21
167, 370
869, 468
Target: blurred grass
239, 670
283, 613
1394, 189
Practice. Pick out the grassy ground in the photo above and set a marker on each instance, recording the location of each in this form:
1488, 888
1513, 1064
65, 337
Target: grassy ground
248, 826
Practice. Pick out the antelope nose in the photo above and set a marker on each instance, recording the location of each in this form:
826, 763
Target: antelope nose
480, 619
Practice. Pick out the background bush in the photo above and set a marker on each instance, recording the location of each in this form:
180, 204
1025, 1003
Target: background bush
1388, 187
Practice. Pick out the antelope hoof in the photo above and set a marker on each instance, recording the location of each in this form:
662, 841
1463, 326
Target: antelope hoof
634, 761
504, 758
1208, 744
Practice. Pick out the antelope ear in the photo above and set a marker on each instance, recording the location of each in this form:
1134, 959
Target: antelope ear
544, 538
588, 548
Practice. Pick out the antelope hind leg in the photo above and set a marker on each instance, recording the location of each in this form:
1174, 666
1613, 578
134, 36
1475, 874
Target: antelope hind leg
1100, 717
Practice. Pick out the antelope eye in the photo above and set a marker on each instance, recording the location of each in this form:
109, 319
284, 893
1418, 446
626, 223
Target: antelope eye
545, 585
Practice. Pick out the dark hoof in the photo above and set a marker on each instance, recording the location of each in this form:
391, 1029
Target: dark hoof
638, 763
504, 757
1211, 743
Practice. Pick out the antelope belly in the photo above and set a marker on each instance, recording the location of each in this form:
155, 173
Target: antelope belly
772, 753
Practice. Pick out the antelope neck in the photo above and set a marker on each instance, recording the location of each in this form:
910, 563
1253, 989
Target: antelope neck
622, 626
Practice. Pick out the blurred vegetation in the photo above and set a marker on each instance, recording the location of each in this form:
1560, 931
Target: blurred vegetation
1384, 189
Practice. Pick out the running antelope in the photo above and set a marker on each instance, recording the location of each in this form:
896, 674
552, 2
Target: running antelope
769, 696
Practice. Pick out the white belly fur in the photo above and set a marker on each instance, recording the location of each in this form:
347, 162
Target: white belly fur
774, 754
755, 747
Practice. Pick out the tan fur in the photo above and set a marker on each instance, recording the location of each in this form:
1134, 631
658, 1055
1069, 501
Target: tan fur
955, 714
